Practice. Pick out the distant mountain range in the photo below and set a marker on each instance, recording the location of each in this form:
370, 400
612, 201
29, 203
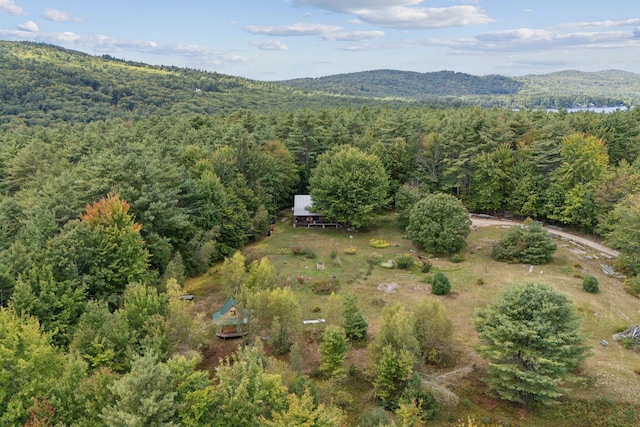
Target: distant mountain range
46, 84
561, 89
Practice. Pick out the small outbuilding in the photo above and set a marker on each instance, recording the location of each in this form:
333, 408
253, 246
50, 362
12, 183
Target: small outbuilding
304, 216
229, 320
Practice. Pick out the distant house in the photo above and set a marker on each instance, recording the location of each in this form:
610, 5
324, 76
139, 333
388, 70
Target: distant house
304, 216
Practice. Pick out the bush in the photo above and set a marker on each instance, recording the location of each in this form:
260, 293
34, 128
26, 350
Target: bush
324, 286
404, 261
374, 259
440, 284
379, 243
426, 266
590, 284
633, 286
456, 258
526, 245
309, 253
375, 418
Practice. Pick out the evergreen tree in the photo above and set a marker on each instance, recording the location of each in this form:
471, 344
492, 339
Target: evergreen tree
393, 372
333, 348
531, 338
144, 396
528, 244
354, 324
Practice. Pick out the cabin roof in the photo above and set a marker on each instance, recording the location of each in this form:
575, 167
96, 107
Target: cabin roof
302, 205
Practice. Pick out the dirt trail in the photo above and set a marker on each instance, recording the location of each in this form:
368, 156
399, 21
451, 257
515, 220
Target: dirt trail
484, 222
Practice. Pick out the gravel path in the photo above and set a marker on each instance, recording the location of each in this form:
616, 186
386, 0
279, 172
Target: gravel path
485, 222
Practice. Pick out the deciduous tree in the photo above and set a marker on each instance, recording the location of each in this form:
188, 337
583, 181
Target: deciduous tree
439, 223
349, 186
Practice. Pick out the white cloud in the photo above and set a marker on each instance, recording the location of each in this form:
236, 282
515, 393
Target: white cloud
269, 45
350, 6
423, 18
603, 24
29, 26
403, 13
301, 29
57, 15
525, 38
353, 36
10, 6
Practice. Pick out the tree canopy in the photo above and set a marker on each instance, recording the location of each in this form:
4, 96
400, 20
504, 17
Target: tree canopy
439, 223
532, 340
349, 186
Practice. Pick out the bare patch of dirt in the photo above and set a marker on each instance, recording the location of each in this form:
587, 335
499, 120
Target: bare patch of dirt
388, 287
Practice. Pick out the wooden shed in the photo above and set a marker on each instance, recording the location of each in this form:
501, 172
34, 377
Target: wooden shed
229, 320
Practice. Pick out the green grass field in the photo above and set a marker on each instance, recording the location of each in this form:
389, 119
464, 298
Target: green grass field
609, 393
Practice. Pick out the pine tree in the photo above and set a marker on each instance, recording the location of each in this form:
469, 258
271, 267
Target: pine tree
332, 350
354, 324
531, 338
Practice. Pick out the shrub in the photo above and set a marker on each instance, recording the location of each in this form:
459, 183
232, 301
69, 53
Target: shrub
526, 245
440, 284
404, 261
333, 254
456, 258
374, 259
251, 255
324, 286
590, 284
375, 418
426, 266
379, 243
296, 250
309, 253
633, 286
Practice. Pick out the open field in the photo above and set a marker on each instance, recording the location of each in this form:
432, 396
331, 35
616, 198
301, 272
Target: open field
610, 391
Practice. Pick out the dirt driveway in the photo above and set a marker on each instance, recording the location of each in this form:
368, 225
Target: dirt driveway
485, 222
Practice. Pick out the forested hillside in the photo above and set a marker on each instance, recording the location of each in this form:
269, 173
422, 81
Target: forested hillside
556, 90
409, 85
45, 84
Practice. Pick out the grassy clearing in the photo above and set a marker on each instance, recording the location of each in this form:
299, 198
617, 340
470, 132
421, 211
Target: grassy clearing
611, 382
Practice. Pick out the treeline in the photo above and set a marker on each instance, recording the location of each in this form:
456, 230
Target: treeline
94, 218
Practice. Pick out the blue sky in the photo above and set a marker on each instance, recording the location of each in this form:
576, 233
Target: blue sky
283, 39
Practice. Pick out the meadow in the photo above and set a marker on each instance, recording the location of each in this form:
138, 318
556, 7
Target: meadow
608, 393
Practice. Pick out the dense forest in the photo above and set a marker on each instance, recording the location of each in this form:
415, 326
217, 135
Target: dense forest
568, 89
44, 84
101, 221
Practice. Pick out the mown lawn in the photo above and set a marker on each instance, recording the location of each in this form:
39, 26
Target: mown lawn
611, 374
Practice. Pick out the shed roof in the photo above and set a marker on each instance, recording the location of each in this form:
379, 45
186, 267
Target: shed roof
222, 317
302, 205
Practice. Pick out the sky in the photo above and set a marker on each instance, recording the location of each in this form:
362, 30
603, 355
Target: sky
285, 39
